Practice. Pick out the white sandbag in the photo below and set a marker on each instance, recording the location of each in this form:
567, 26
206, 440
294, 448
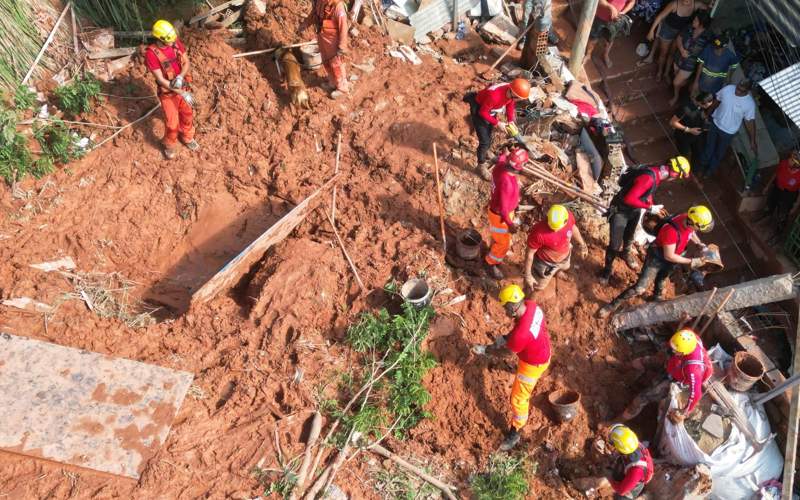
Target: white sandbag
737, 471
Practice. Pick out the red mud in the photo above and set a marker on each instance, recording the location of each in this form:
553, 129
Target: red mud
170, 225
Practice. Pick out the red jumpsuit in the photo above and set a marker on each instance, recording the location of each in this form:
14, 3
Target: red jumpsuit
638, 470
505, 198
178, 115
531, 342
493, 100
331, 22
691, 370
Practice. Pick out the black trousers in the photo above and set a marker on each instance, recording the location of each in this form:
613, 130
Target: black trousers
655, 269
690, 146
483, 129
622, 227
780, 203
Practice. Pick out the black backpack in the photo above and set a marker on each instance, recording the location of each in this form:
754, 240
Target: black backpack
627, 179
671, 221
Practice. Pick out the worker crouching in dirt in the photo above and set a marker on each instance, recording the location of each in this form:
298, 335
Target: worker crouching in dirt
672, 237
689, 365
550, 247
637, 188
633, 465
531, 343
484, 107
168, 62
330, 19
503, 203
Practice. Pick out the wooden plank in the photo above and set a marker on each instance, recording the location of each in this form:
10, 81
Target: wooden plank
84, 408
236, 268
748, 294
219, 8
790, 452
109, 53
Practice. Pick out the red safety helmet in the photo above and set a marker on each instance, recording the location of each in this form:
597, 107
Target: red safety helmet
518, 158
521, 88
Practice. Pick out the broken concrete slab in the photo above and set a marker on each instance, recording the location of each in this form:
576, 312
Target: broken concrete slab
713, 425
400, 33
435, 14
501, 28
83, 408
748, 294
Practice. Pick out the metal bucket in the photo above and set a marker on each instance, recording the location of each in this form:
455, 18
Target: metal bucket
745, 371
566, 404
416, 292
468, 244
312, 59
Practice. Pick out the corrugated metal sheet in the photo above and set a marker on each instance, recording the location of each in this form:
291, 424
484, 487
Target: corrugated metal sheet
784, 88
784, 15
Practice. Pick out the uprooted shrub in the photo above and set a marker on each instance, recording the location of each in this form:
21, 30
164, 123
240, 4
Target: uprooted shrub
79, 95
506, 478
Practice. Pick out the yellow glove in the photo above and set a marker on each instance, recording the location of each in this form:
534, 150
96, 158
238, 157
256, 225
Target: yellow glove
512, 129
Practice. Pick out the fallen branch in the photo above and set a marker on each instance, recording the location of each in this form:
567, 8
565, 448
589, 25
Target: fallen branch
87, 124
336, 171
126, 126
47, 42
313, 436
561, 185
447, 489
346, 255
273, 49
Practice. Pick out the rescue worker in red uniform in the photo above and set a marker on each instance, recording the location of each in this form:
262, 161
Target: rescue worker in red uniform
503, 203
633, 464
689, 366
782, 197
168, 62
550, 247
531, 343
665, 253
329, 17
637, 188
484, 107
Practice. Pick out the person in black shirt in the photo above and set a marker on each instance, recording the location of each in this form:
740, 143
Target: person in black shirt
690, 122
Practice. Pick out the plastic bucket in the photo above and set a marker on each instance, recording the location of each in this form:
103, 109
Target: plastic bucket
468, 244
745, 371
565, 403
312, 59
416, 292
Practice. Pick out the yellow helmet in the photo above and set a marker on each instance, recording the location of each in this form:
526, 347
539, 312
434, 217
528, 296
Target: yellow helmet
680, 167
624, 439
684, 341
165, 31
557, 217
511, 293
701, 218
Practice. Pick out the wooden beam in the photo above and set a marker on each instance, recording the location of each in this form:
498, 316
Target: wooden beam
47, 42
236, 268
748, 294
219, 8
582, 36
790, 452
110, 53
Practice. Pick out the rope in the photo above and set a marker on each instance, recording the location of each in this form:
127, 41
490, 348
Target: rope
708, 200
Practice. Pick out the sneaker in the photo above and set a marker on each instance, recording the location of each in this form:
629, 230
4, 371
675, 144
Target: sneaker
336, 94
192, 145
631, 260
495, 272
511, 440
170, 153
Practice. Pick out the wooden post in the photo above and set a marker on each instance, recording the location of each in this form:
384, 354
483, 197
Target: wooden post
790, 453
582, 36
336, 172
439, 198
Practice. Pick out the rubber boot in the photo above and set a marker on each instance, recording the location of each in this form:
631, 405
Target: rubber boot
630, 259
605, 274
494, 272
511, 440
485, 169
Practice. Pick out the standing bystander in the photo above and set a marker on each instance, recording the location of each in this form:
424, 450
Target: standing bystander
329, 17
691, 124
610, 21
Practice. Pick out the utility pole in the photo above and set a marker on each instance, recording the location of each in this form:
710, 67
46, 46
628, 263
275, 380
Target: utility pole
582, 36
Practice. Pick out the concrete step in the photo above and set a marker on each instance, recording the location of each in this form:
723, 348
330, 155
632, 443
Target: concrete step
632, 86
652, 152
656, 102
646, 132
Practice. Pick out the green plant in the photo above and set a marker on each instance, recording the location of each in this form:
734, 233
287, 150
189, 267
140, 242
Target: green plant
281, 481
19, 43
397, 484
505, 479
58, 142
24, 98
79, 96
15, 158
123, 15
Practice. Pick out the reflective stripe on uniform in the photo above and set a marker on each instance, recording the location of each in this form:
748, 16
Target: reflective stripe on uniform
498, 259
717, 74
521, 418
640, 463
536, 324
499, 230
526, 379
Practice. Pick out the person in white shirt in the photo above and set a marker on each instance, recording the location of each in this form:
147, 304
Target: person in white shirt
733, 104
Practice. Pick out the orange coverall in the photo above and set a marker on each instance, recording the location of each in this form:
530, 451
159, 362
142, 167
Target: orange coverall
331, 22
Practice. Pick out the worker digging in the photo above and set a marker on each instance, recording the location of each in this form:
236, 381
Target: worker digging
168, 61
337, 268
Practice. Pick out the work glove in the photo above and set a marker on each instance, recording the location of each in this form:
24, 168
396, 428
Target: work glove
697, 262
177, 83
189, 98
656, 209
512, 129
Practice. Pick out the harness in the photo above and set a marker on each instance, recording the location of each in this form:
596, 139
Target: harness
671, 221
642, 459
627, 181
166, 66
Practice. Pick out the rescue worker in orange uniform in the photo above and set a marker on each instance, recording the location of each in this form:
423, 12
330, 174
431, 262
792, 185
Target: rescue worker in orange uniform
665, 253
531, 343
329, 17
484, 106
168, 62
503, 203
550, 247
689, 365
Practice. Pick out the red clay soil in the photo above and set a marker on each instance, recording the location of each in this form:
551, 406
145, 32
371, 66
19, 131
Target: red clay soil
169, 226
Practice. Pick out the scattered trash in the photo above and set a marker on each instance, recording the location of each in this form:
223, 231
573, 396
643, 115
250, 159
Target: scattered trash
65, 263
410, 55
28, 304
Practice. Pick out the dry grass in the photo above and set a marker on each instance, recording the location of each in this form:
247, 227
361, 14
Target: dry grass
109, 296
